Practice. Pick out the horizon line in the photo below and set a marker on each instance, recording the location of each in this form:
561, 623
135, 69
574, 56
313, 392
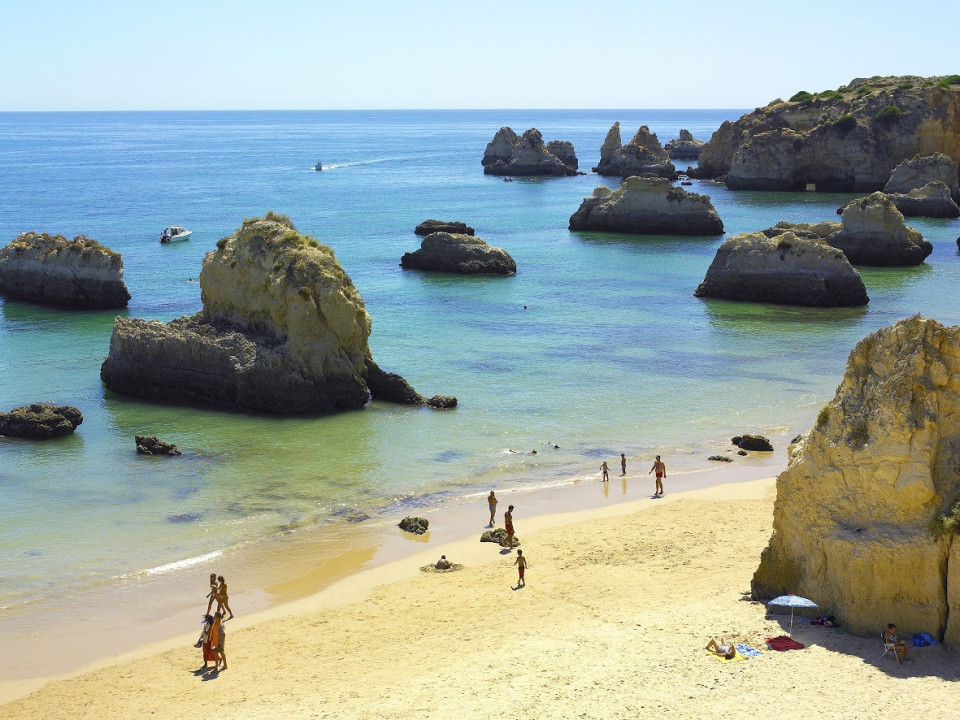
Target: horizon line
426, 109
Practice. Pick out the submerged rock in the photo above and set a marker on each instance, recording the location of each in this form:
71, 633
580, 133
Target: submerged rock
757, 443
40, 421
642, 156
152, 445
859, 520
51, 270
415, 525
508, 154
651, 206
282, 330
431, 226
463, 254
787, 269
684, 147
720, 458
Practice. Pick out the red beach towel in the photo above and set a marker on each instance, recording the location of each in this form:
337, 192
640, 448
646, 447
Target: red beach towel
784, 643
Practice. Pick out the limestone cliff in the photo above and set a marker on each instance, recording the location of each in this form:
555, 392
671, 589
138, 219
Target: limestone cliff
647, 205
51, 270
459, 253
508, 154
931, 200
787, 269
642, 156
283, 329
918, 171
849, 139
858, 521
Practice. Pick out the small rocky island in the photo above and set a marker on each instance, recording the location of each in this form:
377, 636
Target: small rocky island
432, 226
925, 186
643, 156
649, 206
459, 253
786, 269
508, 154
867, 513
40, 421
843, 140
282, 330
684, 147
871, 232
51, 270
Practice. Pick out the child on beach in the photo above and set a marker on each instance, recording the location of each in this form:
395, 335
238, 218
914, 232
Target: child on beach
508, 524
521, 563
661, 471
492, 502
223, 599
606, 472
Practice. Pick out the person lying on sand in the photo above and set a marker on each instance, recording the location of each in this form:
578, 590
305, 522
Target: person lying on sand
442, 563
725, 649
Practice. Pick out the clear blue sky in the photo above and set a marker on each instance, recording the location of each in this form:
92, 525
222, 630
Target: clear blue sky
292, 54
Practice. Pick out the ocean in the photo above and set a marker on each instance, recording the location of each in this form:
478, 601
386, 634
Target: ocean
596, 346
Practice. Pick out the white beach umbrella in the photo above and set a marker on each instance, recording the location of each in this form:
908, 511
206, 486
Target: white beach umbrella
792, 601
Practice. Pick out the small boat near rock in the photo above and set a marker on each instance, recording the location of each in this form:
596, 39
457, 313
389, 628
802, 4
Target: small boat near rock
175, 233
319, 166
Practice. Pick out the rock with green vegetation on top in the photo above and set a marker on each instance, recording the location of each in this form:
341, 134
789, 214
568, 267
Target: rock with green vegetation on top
40, 421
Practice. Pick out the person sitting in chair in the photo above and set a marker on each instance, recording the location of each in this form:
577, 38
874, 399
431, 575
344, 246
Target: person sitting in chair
724, 648
890, 637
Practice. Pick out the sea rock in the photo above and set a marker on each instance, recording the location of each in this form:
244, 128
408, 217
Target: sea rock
508, 154
720, 458
40, 421
415, 525
463, 254
871, 232
393, 388
931, 200
282, 330
499, 536
788, 270
752, 442
848, 140
642, 156
51, 270
918, 171
431, 226
858, 516
152, 445
645, 205
684, 147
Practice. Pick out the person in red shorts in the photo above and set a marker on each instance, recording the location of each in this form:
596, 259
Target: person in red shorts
508, 524
661, 470
521, 563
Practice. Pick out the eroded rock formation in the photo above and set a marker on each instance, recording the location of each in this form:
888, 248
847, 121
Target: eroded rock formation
642, 156
684, 147
849, 139
508, 154
787, 270
40, 421
918, 171
646, 205
152, 445
432, 226
931, 200
858, 521
463, 254
51, 270
282, 330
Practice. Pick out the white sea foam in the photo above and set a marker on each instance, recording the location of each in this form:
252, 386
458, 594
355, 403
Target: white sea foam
181, 564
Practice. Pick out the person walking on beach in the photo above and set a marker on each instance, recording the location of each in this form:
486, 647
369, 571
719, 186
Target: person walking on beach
521, 563
508, 524
606, 472
623, 464
223, 599
661, 470
221, 655
212, 595
204, 641
492, 502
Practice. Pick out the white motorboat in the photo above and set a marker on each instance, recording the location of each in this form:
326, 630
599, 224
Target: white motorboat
174, 233
318, 167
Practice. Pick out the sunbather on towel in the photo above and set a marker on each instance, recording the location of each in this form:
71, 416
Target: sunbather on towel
724, 649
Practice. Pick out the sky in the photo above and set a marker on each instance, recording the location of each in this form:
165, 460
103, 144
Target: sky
423, 54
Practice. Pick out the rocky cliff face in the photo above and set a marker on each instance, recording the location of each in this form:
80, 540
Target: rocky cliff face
642, 156
847, 140
651, 206
51, 270
859, 518
787, 270
918, 171
282, 330
931, 200
457, 253
508, 154
684, 147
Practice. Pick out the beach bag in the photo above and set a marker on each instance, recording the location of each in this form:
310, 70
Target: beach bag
923, 639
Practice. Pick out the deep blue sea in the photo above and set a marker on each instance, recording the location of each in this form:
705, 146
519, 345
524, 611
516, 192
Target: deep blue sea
596, 345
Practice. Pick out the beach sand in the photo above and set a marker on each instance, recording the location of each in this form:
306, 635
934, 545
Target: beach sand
619, 603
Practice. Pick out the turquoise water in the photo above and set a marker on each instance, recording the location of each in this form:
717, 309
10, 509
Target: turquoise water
611, 354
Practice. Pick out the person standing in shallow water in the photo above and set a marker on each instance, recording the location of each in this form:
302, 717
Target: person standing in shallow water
661, 471
606, 472
623, 464
492, 502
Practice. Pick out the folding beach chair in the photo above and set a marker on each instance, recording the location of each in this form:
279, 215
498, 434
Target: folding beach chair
889, 648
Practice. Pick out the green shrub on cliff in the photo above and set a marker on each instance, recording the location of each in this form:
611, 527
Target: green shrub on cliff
889, 115
845, 123
905, 86
947, 523
865, 90
948, 81
828, 95
802, 96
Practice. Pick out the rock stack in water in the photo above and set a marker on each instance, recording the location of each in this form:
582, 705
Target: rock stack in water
925, 186
787, 270
651, 206
431, 226
643, 156
282, 330
866, 517
51, 270
508, 154
684, 147
456, 253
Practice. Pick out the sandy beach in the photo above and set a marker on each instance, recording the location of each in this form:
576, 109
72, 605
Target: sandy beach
619, 603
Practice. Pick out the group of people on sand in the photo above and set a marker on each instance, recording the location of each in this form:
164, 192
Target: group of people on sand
659, 467
507, 542
214, 633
